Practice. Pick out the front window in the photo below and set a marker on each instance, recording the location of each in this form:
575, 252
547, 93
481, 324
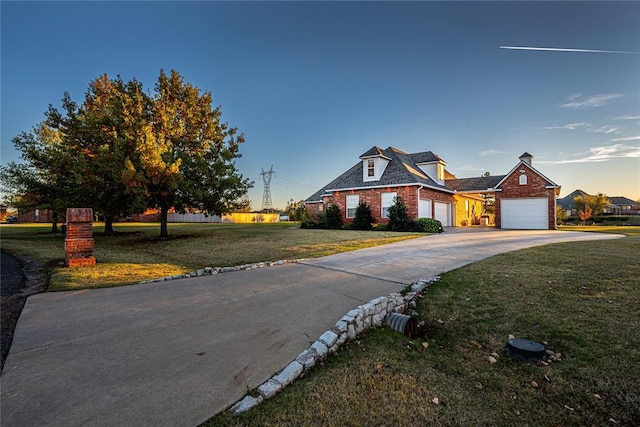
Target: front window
388, 199
352, 205
371, 168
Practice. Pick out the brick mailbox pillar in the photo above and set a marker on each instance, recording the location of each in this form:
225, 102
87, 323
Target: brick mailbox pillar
78, 245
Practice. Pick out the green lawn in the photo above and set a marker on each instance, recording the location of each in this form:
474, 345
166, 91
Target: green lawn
581, 299
135, 253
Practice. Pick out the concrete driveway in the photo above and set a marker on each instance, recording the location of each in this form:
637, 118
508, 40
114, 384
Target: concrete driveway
176, 353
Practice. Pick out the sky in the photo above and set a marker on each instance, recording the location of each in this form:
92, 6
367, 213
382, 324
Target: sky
313, 85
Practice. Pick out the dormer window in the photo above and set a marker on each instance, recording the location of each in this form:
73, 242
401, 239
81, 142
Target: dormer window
373, 168
435, 170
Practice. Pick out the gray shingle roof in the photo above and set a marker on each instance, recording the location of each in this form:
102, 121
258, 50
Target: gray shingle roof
474, 184
401, 169
425, 157
622, 201
373, 151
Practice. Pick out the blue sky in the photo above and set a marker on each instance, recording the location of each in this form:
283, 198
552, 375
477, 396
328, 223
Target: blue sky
313, 85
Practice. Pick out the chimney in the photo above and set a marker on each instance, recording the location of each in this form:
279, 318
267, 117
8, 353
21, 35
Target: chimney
527, 158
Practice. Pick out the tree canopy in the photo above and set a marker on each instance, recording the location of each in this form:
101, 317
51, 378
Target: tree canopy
123, 150
587, 206
596, 204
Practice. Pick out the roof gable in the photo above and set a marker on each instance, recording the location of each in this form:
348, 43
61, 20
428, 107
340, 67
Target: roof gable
525, 164
576, 193
375, 152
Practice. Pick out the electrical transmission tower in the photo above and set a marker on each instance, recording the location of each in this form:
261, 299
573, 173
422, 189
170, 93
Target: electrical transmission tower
266, 196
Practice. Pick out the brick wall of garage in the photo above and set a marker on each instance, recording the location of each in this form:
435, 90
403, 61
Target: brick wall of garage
535, 187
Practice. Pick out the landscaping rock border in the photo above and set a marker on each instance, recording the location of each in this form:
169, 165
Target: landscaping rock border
208, 271
351, 325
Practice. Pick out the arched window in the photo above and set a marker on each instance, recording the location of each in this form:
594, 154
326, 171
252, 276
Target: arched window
523, 179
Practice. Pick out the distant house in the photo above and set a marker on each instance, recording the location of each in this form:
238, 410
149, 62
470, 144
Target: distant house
37, 215
622, 206
524, 197
568, 204
617, 205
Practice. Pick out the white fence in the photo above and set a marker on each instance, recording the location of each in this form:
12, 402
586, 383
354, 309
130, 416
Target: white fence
192, 217
235, 217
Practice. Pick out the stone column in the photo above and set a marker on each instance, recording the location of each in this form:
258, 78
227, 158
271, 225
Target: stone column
78, 245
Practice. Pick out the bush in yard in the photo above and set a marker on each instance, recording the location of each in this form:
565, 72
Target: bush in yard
398, 217
429, 225
332, 216
364, 218
318, 220
380, 227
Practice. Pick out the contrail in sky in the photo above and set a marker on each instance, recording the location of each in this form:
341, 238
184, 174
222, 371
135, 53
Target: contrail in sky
560, 49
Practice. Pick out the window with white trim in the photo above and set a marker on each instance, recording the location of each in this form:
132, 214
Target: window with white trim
371, 168
352, 205
523, 179
386, 201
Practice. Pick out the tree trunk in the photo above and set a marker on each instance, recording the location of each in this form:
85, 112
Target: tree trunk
164, 210
108, 226
54, 222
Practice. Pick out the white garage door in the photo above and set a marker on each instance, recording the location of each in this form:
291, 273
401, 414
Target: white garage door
443, 213
424, 208
524, 214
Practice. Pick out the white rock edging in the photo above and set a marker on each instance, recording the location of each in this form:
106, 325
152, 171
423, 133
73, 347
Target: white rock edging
348, 327
208, 271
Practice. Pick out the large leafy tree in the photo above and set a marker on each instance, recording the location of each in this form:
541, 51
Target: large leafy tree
188, 153
103, 134
122, 150
47, 179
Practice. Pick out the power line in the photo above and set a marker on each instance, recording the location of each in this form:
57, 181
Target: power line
266, 195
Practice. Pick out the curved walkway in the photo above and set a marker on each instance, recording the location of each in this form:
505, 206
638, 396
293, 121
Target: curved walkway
178, 352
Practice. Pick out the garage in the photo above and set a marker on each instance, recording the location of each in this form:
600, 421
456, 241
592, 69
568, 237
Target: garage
525, 213
424, 208
443, 213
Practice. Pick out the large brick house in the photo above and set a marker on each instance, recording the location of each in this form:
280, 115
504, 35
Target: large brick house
524, 198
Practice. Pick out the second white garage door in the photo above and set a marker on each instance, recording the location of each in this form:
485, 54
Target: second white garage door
443, 213
524, 214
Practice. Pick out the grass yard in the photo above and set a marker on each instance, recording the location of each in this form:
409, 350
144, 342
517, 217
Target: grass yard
581, 299
135, 253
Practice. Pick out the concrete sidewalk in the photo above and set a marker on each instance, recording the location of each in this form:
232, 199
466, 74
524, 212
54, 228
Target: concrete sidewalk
177, 352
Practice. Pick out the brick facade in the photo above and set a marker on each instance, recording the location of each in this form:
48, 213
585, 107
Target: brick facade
409, 194
536, 186
79, 244
39, 216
